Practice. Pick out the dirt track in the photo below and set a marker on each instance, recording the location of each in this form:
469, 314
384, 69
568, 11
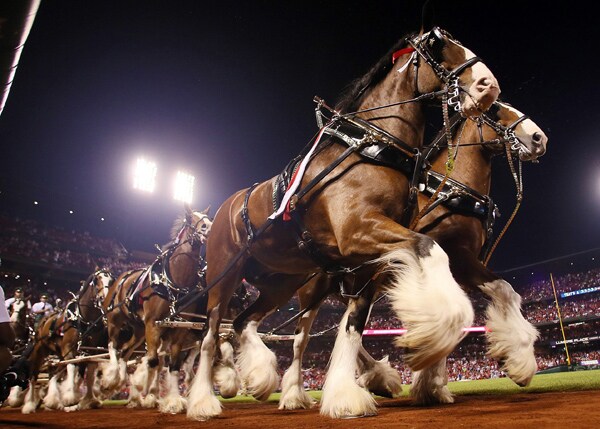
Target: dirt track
571, 410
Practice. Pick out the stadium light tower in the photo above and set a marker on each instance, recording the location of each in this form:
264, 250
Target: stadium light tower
184, 187
144, 177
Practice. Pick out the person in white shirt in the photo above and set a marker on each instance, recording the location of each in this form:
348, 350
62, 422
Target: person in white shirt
7, 336
41, 309
17, 296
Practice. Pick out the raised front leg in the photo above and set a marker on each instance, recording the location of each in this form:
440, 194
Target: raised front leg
257, 363
510, 336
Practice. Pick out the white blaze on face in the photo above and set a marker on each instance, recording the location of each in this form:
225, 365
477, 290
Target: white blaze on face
105, 280
525, 132
205, 222
480, 73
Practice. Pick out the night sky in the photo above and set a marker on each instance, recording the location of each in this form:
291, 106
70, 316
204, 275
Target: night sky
224, 89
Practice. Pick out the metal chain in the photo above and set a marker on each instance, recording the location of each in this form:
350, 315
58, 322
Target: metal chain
449, 161
518, 179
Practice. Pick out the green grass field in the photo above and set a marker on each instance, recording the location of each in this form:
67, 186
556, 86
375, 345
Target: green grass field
557, 382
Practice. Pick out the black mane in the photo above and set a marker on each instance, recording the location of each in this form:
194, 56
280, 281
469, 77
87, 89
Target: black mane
350, 98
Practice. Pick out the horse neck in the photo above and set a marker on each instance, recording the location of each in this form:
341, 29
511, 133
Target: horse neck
406, 121
473, 165
183, 265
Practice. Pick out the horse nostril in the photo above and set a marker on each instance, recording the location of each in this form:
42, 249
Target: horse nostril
484, 83
537, 137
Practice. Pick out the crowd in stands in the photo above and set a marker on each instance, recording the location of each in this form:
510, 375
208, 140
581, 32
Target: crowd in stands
32, 241
541, 289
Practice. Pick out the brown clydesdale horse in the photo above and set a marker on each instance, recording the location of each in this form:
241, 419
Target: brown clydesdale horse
139, 298
60, 334
348, 215
458, 221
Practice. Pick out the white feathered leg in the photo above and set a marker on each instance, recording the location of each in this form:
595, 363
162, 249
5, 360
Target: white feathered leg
16, 397
188, 366
378, 376
89, 400
226, 376
139, 378
257, 363
52, 400
150, 394
429, 385
138, 381
432, 306
342, 397
173, 402
110, 371
202, 402
293, 395
511, 337
135, 397
68, 388
31, 399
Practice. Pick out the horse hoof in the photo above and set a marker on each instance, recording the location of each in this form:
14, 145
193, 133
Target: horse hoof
360, 416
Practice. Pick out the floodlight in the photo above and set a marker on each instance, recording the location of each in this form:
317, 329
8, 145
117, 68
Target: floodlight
144, 177
184, 187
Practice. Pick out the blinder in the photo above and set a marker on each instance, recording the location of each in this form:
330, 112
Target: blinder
430, 49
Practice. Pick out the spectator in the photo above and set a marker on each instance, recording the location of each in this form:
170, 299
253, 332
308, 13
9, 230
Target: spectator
7, 336
41, 309
18, 295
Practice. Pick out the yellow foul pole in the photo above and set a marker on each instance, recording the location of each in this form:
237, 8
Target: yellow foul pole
562, 329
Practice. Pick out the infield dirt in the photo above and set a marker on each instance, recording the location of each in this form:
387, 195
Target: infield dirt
568, 410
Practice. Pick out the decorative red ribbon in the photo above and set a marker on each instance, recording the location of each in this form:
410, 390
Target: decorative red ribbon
401, 52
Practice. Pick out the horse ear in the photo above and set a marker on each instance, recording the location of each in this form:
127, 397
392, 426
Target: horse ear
206, 210
427, 16
188, 209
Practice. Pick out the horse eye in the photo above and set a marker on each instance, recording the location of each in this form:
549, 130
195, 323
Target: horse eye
493, 112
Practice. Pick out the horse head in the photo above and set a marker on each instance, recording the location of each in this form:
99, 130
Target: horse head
423, 66
525, 137
473, 87
95, 288
195, 227
102, 279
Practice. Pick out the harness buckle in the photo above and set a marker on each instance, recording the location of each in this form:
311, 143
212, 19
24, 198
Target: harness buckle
293, 202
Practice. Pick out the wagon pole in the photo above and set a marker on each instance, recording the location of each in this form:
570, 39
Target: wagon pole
99, 357
160, 354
